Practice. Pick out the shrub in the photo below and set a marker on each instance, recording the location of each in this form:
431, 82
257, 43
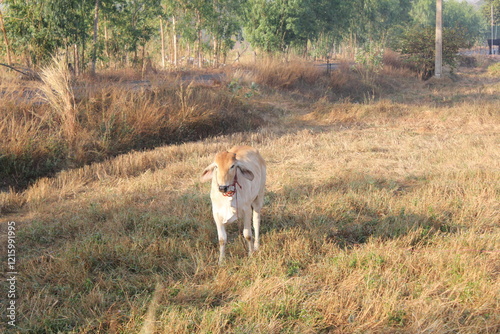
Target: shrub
277, 74
418, 45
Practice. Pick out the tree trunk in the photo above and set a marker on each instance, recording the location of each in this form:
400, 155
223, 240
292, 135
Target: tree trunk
198, 27
174, 41
216, 52
6, 39
144, 66
439, 39
217, 39
94, 41
106, 40
76, 59
82, 57
162, 44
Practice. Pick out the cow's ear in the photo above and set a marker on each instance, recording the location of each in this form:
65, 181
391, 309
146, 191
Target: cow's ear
245, 172
208, 172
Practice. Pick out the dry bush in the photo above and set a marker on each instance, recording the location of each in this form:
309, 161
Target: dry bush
27, 149
79, 122
279, 74
394, 62
120, 119
346, 83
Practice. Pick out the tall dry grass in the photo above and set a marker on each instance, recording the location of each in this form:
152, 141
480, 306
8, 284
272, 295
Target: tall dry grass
27, 149
69, 122
380, 217
57, 91
276, 73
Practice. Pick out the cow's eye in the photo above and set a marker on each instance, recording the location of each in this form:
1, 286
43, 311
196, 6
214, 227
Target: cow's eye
232, 167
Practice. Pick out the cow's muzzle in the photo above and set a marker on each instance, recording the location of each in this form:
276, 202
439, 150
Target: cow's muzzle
227, 189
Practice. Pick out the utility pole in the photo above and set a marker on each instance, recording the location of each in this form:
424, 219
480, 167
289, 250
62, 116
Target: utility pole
438, 68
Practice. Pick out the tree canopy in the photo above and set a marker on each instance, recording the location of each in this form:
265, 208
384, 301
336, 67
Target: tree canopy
117, 31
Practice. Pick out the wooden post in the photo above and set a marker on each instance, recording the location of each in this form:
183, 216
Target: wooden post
438, 70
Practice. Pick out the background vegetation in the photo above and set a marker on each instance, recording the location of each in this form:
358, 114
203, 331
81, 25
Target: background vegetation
177, 32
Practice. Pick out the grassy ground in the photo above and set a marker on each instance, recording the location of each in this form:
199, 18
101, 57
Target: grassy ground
381, 216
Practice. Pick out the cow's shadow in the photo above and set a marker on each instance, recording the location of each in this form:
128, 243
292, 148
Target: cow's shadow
349, 221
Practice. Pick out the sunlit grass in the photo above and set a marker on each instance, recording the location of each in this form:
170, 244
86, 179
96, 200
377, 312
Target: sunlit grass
379, 217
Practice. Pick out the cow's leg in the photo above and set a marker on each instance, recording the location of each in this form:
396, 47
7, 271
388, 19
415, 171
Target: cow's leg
256, 207
256, 228
247, 230
221, 232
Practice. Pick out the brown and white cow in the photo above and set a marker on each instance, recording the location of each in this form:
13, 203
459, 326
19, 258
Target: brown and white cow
238, 181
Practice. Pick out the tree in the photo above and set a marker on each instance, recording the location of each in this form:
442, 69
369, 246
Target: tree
133, 24
376, 19
276, 25
203, 26
486, 10
463, 16
265, 26
31, 29
223, 24
423, 12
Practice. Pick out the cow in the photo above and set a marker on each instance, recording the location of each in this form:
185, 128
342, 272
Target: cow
237, 192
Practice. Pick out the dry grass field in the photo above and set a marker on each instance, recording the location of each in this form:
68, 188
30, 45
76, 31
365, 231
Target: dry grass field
382, 215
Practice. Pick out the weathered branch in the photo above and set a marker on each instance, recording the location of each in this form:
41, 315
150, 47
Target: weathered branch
30, 75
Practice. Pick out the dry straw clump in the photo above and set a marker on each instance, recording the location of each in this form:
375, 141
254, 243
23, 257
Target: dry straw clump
57, 90
276, 73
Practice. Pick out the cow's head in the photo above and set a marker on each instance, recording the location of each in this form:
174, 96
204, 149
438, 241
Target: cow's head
224, 169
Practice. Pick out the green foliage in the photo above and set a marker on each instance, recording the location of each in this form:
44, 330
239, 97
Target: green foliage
277, 25
486, 10
376, 19
41, 28
458, 15
370, 61
132, 22
31, 29
418, 45
370, 57
463, 17
423, 12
